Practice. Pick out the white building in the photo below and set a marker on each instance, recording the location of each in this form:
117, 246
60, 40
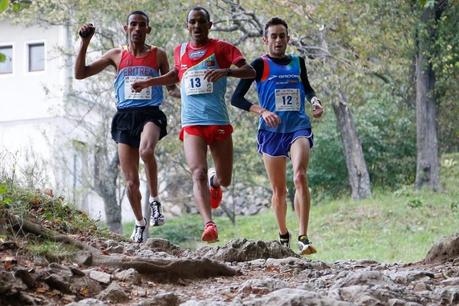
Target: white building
35, 81
28, 114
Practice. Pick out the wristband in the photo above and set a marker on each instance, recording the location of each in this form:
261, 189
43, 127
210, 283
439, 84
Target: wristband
315, 101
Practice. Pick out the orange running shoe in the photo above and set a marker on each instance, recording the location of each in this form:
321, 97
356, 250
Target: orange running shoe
216, 193
210, 233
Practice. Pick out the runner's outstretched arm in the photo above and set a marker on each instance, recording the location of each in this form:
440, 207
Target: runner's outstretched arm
82, 70
169, 78
164, 68
241, 71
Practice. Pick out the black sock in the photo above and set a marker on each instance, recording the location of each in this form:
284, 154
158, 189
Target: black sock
300, 237
284, 236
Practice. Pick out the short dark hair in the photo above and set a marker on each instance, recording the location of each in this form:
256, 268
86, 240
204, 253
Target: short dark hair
275, 21
138, 13
199, 8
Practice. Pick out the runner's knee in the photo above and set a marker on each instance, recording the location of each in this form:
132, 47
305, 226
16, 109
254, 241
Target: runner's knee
132, 184
300, 180
280, 192
147, 154
199, 174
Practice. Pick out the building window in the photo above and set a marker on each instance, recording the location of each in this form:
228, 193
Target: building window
37, 57
6, 65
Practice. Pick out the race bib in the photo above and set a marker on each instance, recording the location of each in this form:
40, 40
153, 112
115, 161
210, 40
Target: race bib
287, 99
129, 93
195, 83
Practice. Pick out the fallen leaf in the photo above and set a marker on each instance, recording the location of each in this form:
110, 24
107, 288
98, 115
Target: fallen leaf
53, 293
7, 265
84, 291
41, 290
9, 258
36, 202
48, 192
272, 269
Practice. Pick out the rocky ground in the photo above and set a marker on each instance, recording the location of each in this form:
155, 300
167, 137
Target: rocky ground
240, 273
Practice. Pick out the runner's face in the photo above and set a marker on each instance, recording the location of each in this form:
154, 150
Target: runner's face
137, 28
198, 26
276, 39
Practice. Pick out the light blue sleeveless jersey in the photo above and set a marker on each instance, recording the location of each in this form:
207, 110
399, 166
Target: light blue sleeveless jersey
131, 67
202, 108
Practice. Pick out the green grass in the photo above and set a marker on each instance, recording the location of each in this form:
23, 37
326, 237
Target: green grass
55, 211
386, 228
52, 213
398, 226
53, 251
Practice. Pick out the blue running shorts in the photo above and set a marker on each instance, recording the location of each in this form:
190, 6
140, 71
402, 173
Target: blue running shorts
278, 144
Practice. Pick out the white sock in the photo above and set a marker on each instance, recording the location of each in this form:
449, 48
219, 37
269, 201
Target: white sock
140, 223
154, 199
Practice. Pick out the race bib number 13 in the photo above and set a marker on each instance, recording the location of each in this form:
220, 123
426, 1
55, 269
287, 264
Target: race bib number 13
287, 99
195, 83
129, 93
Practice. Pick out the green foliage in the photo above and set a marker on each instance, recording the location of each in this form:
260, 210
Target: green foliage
445, 63
15, 5
388, 134
3, 5
427, 3
51, 213
47, 210
52, 251
327, 168
5, 197
415, 203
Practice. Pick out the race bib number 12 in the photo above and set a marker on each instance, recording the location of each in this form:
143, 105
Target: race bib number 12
195, 83
287, 99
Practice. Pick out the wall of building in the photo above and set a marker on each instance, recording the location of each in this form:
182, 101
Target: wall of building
31, 95
32, 127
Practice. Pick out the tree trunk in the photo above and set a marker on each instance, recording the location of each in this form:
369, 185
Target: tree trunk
357, 171
112, 209
427, 163
359, 179
105, 186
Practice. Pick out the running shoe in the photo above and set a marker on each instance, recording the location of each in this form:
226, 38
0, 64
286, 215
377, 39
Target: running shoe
157, 218
305, 246
285, 239
216, 193
138, 234
210, 233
